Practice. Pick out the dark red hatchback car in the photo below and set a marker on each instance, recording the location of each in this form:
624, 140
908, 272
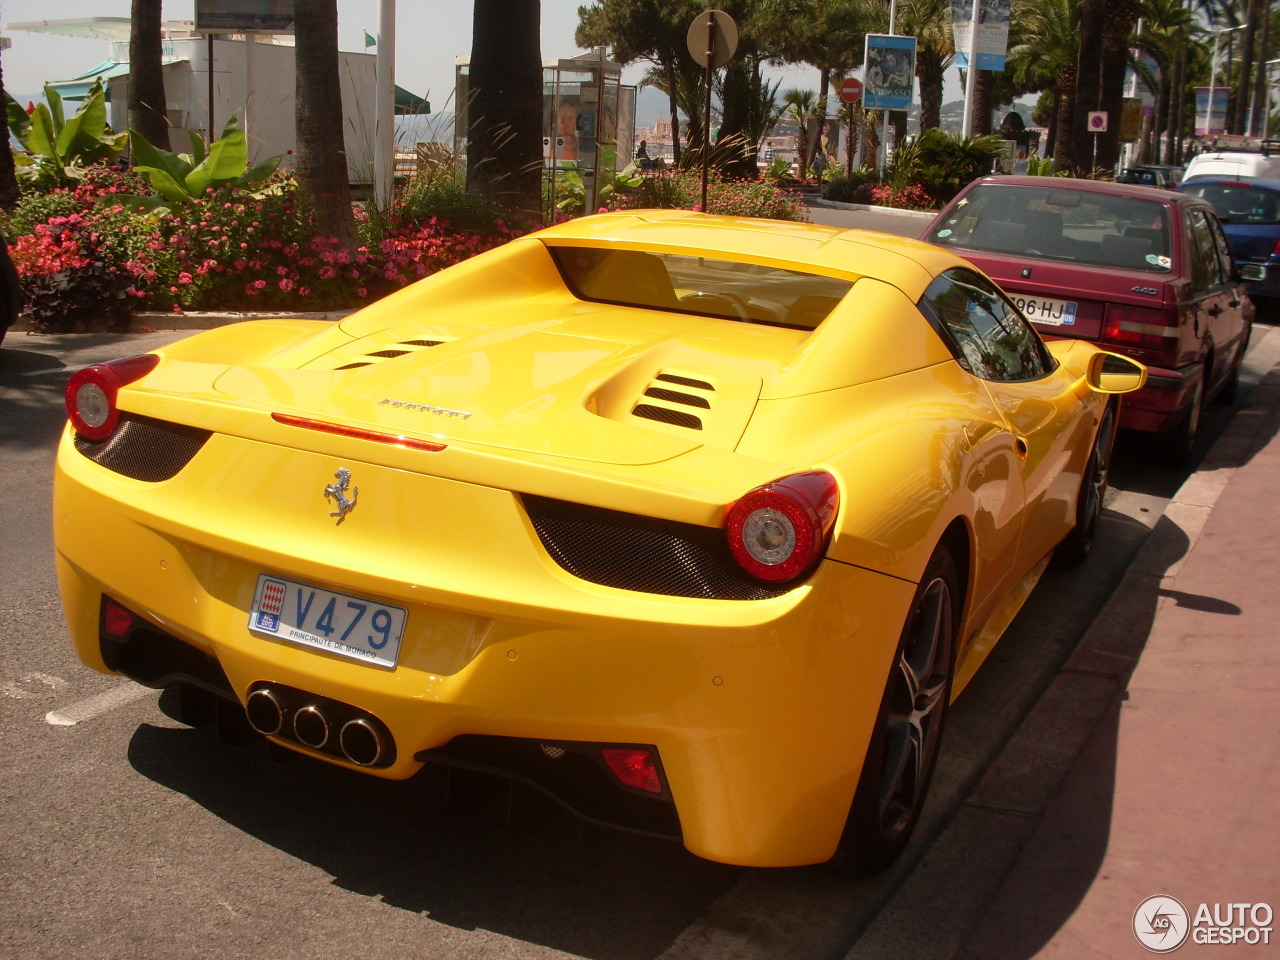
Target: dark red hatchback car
1143, 271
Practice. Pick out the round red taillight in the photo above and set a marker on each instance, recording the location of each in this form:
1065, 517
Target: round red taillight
91, 394
779, 531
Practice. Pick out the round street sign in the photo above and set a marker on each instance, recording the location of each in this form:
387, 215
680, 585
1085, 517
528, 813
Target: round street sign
726, 38
851, 90
1097, 121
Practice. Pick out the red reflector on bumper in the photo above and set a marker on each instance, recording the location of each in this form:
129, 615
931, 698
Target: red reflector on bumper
116, 620
635, 768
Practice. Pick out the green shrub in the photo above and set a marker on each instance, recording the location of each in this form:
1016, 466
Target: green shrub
734, 198
941, 163
841, 188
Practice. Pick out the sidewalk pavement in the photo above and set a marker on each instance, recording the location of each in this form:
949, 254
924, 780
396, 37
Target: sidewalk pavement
1149, 768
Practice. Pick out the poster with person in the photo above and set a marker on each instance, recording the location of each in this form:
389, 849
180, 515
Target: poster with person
890, 72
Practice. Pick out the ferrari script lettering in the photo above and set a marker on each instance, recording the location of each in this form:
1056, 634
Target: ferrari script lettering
425, 408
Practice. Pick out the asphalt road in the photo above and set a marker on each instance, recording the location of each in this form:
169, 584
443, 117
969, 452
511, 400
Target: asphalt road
126, 834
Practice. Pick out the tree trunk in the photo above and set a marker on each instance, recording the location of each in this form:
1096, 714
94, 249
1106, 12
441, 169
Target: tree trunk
1257, 120
818, 121
1064, 147
1243, 84
504, 144
148, 113
1055, 114
1088, 85
1117, 25
1161, 119
982, 106
1173, 133
929, 70
9, 193
322, 158
673, 103
737, 154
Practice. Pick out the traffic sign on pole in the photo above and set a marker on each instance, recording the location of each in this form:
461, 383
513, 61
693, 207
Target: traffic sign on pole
1097, 121
851, 90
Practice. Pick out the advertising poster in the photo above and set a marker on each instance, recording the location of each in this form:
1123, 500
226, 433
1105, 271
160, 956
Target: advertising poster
1217, 122
889, 83
993, 32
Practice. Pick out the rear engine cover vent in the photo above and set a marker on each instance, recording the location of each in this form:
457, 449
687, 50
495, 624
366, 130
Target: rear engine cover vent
675, 406
388, 353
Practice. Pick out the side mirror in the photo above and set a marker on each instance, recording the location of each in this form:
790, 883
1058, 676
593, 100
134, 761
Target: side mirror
1113, 373
1253, 271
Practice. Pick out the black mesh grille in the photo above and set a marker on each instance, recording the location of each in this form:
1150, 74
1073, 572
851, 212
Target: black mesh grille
388, 353
422, 343
352, 366
644, 554
675, 396
145, 449
684, 381
663, 415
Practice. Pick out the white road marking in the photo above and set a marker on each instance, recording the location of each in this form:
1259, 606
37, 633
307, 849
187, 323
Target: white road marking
15, 691
96, 706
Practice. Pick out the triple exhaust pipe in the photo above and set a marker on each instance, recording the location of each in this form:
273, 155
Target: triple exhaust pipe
325, 725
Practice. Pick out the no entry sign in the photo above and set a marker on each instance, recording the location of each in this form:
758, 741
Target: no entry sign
851, 90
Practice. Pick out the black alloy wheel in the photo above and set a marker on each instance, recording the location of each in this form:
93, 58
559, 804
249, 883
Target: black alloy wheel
904, 745
1075, 547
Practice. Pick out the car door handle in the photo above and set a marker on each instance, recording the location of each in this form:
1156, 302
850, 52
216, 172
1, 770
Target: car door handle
1020, 447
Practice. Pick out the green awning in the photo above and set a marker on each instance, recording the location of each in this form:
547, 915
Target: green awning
77, 88
410, 104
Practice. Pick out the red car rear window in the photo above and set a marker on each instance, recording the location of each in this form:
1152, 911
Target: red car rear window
1055, 223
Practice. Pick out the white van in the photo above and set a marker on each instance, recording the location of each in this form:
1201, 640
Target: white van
1257, 158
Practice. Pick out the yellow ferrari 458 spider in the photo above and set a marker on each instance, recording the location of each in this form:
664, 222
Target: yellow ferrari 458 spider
696, 523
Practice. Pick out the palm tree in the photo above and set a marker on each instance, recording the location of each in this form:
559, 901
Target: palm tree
1044, 41
322, 161
1166, 35
1117, 25
929, 21
147, 103
800, 107
504, 136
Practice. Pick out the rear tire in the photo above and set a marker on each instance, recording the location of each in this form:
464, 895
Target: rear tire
1178, 447
1076, 546
904, 744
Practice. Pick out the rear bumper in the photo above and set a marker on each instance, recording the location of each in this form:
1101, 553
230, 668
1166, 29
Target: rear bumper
1161, 405
760, 711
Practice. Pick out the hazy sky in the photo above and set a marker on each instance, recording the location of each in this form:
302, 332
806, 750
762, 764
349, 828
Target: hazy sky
429, 35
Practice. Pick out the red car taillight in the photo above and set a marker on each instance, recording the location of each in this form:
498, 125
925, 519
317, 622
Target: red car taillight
1140, 327
779, 531
91, 394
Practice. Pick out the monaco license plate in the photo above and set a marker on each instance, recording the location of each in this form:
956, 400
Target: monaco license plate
1054, 313
349, 626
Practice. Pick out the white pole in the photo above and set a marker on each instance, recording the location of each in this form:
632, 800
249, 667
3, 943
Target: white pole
249, 39
971, 75
1213, 81
384, 139
884, 126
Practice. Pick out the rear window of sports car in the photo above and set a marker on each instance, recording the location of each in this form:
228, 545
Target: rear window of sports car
746, 292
